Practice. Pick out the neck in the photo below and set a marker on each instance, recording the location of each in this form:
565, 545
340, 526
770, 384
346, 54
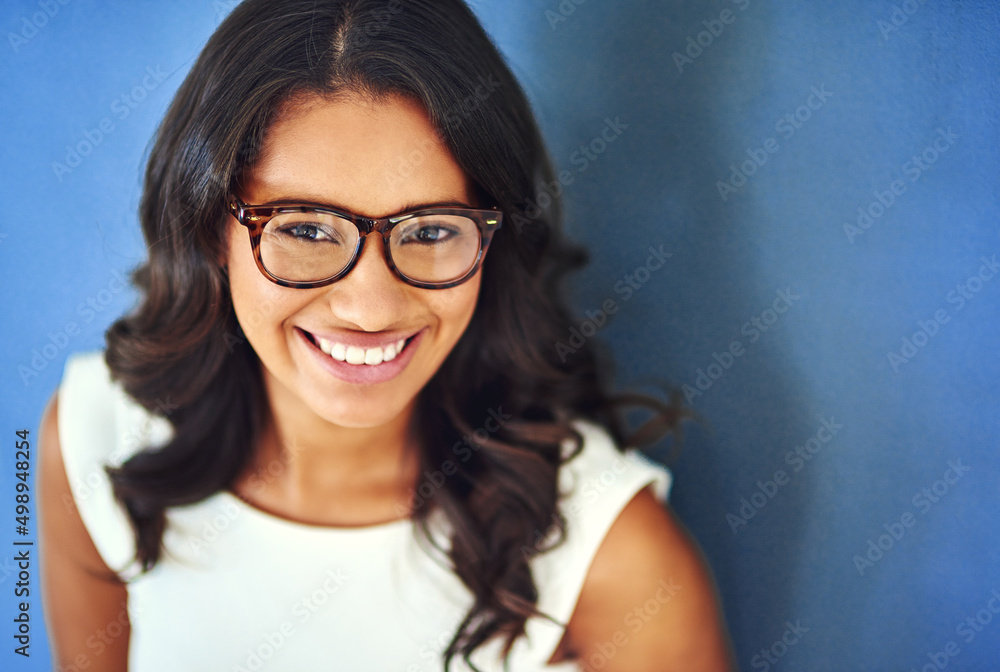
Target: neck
312, 470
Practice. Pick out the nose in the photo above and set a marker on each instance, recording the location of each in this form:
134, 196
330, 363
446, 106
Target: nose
371, 296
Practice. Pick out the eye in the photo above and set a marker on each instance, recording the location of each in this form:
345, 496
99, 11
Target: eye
432, 234
308, 232
427, 233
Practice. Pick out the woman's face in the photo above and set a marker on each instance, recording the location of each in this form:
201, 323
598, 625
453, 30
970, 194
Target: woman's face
375, 160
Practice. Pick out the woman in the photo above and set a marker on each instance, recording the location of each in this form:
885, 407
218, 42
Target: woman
324, 448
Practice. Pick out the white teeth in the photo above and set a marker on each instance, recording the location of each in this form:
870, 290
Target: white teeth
357, 356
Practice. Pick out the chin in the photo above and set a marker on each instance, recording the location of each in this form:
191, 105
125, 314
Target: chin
354, 417
357, 406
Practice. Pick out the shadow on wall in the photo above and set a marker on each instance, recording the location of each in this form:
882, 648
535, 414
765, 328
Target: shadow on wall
648, 198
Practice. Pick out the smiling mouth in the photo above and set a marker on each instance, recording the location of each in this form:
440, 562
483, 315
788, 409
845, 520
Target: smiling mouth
359, 356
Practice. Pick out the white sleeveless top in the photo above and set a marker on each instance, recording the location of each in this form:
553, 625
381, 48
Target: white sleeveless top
241, 590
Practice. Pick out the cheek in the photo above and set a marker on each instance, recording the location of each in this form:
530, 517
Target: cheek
456, 306
259, 303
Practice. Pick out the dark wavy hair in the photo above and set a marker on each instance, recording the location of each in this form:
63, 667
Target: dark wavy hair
182, 348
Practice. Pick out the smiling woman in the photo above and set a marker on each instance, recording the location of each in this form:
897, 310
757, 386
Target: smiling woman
342, 151
337, 428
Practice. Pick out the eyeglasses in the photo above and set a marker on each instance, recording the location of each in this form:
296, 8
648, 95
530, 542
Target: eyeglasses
306, 245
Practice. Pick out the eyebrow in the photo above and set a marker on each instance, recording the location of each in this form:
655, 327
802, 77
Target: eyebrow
408, 207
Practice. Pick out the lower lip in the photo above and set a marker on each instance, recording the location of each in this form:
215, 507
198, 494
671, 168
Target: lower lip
364, 374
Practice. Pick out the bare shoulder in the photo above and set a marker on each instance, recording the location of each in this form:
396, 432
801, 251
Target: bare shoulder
81, 596
648, 601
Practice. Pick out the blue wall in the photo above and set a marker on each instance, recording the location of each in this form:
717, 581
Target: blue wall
741, 137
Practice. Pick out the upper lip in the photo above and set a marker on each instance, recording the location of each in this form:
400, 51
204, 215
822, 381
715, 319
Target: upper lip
361, 339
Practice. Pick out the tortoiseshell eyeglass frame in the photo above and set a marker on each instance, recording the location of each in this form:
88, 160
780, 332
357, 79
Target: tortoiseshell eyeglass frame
256, 217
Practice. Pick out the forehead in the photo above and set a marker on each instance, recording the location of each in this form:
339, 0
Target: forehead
372, 157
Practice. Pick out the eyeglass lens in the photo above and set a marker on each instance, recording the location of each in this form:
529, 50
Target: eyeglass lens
312, 246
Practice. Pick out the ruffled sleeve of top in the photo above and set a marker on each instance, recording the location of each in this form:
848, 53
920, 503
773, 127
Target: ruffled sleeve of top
596, 486
99, 424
